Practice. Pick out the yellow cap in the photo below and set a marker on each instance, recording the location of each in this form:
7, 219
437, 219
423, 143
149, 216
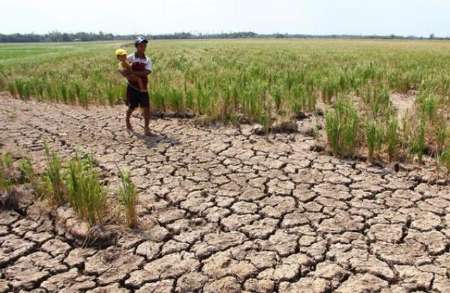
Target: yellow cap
121, 52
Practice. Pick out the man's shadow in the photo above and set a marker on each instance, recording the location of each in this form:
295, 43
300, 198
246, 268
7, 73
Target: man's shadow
153, 140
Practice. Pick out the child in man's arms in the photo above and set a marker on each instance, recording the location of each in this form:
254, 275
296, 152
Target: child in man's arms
126, 69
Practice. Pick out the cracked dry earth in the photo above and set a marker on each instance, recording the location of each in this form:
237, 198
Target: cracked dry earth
235, 213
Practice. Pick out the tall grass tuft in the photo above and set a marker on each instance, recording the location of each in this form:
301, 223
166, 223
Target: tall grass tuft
441, 132
52, 185
375, 137
27, 172
392, 138
444, 159
6, 163
128, 198
418, 142
342, 128
428, 106
85, 192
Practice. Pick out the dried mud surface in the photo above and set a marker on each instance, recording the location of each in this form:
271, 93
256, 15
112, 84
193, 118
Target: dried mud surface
225, 211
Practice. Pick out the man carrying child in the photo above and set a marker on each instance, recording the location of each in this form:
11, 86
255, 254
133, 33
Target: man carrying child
136, 68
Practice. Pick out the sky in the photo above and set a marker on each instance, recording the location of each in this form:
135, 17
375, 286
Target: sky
358, 17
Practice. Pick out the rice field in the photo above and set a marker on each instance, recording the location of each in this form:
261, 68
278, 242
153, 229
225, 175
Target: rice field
264, 81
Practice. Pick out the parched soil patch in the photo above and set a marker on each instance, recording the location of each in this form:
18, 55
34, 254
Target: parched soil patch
224, 210
402, 103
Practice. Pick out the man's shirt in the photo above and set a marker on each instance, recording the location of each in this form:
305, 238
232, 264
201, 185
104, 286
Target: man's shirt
139, 64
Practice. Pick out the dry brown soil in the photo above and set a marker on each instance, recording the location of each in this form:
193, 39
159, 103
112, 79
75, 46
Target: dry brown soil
235, 213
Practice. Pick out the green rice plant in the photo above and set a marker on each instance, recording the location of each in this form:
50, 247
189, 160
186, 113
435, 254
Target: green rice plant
94, 198
303, 100
428, 106
63, 93
444, 159
374, 137
418, 142
392, 138
442, 136
52, 185
3, 79
82, 95
328, 91
128, 198
110, 95
158, 100
12, 88
277, 97
189, 98
377, 101
84, 190
27, 172
248, 80
73, 182
175, 100
6, 180
381, 103
342, 128
23, 89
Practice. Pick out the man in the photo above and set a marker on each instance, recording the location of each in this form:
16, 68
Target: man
142, 67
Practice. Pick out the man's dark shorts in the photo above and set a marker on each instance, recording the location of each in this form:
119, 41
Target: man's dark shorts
136, 98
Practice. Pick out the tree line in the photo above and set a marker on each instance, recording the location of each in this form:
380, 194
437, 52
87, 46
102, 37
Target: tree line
100, 36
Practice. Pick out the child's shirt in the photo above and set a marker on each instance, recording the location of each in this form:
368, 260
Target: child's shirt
123, 66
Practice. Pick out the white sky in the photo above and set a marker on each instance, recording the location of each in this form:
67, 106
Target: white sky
402, 17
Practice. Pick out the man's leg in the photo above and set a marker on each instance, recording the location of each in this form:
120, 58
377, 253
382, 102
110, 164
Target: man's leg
146, 111
132, 103
145, 103
127, 119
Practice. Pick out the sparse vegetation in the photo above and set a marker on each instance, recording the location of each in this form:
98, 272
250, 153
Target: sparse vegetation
392, 138
375, 137
342, 128
27, 172
428, 106
84, 190
76, 183
52, 185
417, 142
259, 81
444, 159
128, 198
6, 180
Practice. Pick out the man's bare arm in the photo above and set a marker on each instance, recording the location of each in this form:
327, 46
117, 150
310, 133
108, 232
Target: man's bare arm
127, 74
142, 73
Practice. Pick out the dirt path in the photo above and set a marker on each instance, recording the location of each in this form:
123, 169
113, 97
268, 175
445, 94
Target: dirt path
236, 213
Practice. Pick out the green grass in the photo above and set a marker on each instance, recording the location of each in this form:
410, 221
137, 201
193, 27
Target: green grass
52, 185
375, 137
85, 193
6, 164
418, 142
392, 138
428, 106
262, 80
27, 172
444, 159
75, 182
218, 77
128, 197
342, 128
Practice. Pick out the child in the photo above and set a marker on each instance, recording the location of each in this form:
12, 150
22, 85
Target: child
126, 68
